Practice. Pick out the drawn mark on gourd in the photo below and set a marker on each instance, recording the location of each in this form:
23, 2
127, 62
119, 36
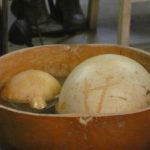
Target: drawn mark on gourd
104, 89
86, 95
122, 98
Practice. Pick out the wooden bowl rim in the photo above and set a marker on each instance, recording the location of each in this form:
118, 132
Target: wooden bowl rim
70, 45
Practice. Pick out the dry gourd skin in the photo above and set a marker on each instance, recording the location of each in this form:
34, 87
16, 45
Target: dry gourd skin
32, 86
105, 84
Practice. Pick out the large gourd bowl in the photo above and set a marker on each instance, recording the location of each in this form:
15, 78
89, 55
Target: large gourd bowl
20, 130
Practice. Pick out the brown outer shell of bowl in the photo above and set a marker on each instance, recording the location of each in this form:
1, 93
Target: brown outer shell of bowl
27, 131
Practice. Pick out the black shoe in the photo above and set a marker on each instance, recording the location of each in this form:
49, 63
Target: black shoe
50, 28
40, 20
35, 13
18, 8
69, 13
20, 33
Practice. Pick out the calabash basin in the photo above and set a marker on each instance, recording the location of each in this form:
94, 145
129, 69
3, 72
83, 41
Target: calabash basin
21, 130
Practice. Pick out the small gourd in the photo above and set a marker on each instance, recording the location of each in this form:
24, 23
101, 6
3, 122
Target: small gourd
32, 86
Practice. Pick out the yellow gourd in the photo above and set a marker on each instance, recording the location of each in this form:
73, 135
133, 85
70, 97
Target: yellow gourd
32, 86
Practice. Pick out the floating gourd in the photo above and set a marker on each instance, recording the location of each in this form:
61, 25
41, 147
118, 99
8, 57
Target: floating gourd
106, 84
32, 86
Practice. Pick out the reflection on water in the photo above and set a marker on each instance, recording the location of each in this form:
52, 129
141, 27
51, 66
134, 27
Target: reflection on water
50, 109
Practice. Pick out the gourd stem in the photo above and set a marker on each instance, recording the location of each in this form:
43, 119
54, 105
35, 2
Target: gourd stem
38, 103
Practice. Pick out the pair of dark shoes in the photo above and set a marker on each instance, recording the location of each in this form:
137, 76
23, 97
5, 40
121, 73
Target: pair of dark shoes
36, 19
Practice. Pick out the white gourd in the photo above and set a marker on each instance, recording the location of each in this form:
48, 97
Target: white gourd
105, 84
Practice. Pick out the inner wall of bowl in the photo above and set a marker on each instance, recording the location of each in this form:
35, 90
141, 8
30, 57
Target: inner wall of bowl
60, 60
